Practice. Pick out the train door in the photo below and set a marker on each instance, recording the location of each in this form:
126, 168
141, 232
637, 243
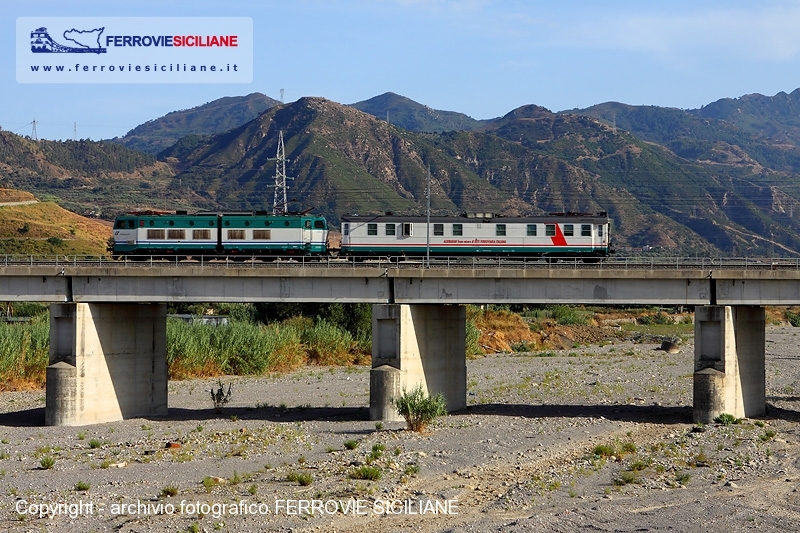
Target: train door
306, 237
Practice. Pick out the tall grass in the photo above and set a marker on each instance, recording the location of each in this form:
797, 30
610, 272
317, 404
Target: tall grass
198, 350
328, 345
245, 348
24, 353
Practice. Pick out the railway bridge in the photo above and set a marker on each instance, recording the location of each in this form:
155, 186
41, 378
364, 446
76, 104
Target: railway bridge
108, 319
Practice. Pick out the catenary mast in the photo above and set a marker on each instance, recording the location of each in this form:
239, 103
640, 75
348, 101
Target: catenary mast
279, 202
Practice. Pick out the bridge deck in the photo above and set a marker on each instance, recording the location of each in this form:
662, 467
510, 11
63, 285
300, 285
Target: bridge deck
671, 281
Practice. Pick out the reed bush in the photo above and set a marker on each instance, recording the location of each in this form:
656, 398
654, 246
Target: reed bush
240, 348
189, 350
24, 353
328, 344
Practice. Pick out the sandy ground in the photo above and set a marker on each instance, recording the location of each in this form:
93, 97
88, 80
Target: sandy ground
523, 456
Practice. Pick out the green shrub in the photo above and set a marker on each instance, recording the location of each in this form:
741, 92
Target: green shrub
170, 490
303, 478
604, 450
376, 453
371, 473
726, 419
767, 435
627, 476
412, 469
47, 462
94, 444
520, 347
793, 318
566, 315
210, 482
81, 486
418, 409
351, 444
660, 318
628, 447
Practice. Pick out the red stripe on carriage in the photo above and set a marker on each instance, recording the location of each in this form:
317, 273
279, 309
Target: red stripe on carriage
559, 239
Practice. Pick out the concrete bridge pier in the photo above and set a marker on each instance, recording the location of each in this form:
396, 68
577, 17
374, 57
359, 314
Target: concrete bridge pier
417, 344
729, 371
108, 362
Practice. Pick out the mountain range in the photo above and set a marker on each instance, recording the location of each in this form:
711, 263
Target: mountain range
719, 179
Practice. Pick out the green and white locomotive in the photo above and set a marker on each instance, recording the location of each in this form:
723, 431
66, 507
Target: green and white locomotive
181, 234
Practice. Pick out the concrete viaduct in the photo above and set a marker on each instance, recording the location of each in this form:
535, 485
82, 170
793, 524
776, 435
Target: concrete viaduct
108, 322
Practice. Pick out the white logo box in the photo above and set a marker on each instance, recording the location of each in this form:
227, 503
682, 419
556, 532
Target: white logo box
134, 49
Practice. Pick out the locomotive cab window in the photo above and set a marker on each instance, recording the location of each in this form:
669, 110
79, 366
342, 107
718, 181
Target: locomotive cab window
586, 230
600, 231
569, 230
438, 230
119, 224
372, 229
550, 230
346, 228
391, 229
319, 224
308, 224
408, 228
531, 230
458, 230
500, 230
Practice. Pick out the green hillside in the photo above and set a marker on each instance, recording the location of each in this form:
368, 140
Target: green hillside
207, 119
94, 178
44, 228
410, 115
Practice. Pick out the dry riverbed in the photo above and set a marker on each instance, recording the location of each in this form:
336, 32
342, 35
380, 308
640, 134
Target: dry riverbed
593, 438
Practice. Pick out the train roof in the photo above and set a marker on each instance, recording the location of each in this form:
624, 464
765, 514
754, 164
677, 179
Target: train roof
179, 213
598, 218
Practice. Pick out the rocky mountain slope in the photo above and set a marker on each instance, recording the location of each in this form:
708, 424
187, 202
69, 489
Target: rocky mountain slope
207, 119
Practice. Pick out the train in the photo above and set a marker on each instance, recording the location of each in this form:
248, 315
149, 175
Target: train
254, 234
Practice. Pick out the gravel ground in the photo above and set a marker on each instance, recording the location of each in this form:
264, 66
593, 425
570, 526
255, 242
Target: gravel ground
525, 455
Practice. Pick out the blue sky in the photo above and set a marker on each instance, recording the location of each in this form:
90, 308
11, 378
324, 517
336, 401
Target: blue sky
480, 57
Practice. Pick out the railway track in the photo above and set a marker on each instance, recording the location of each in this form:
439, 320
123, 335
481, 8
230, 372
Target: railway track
439, 263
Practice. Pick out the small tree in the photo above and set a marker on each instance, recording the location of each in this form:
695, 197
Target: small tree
419, 409
220, 397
